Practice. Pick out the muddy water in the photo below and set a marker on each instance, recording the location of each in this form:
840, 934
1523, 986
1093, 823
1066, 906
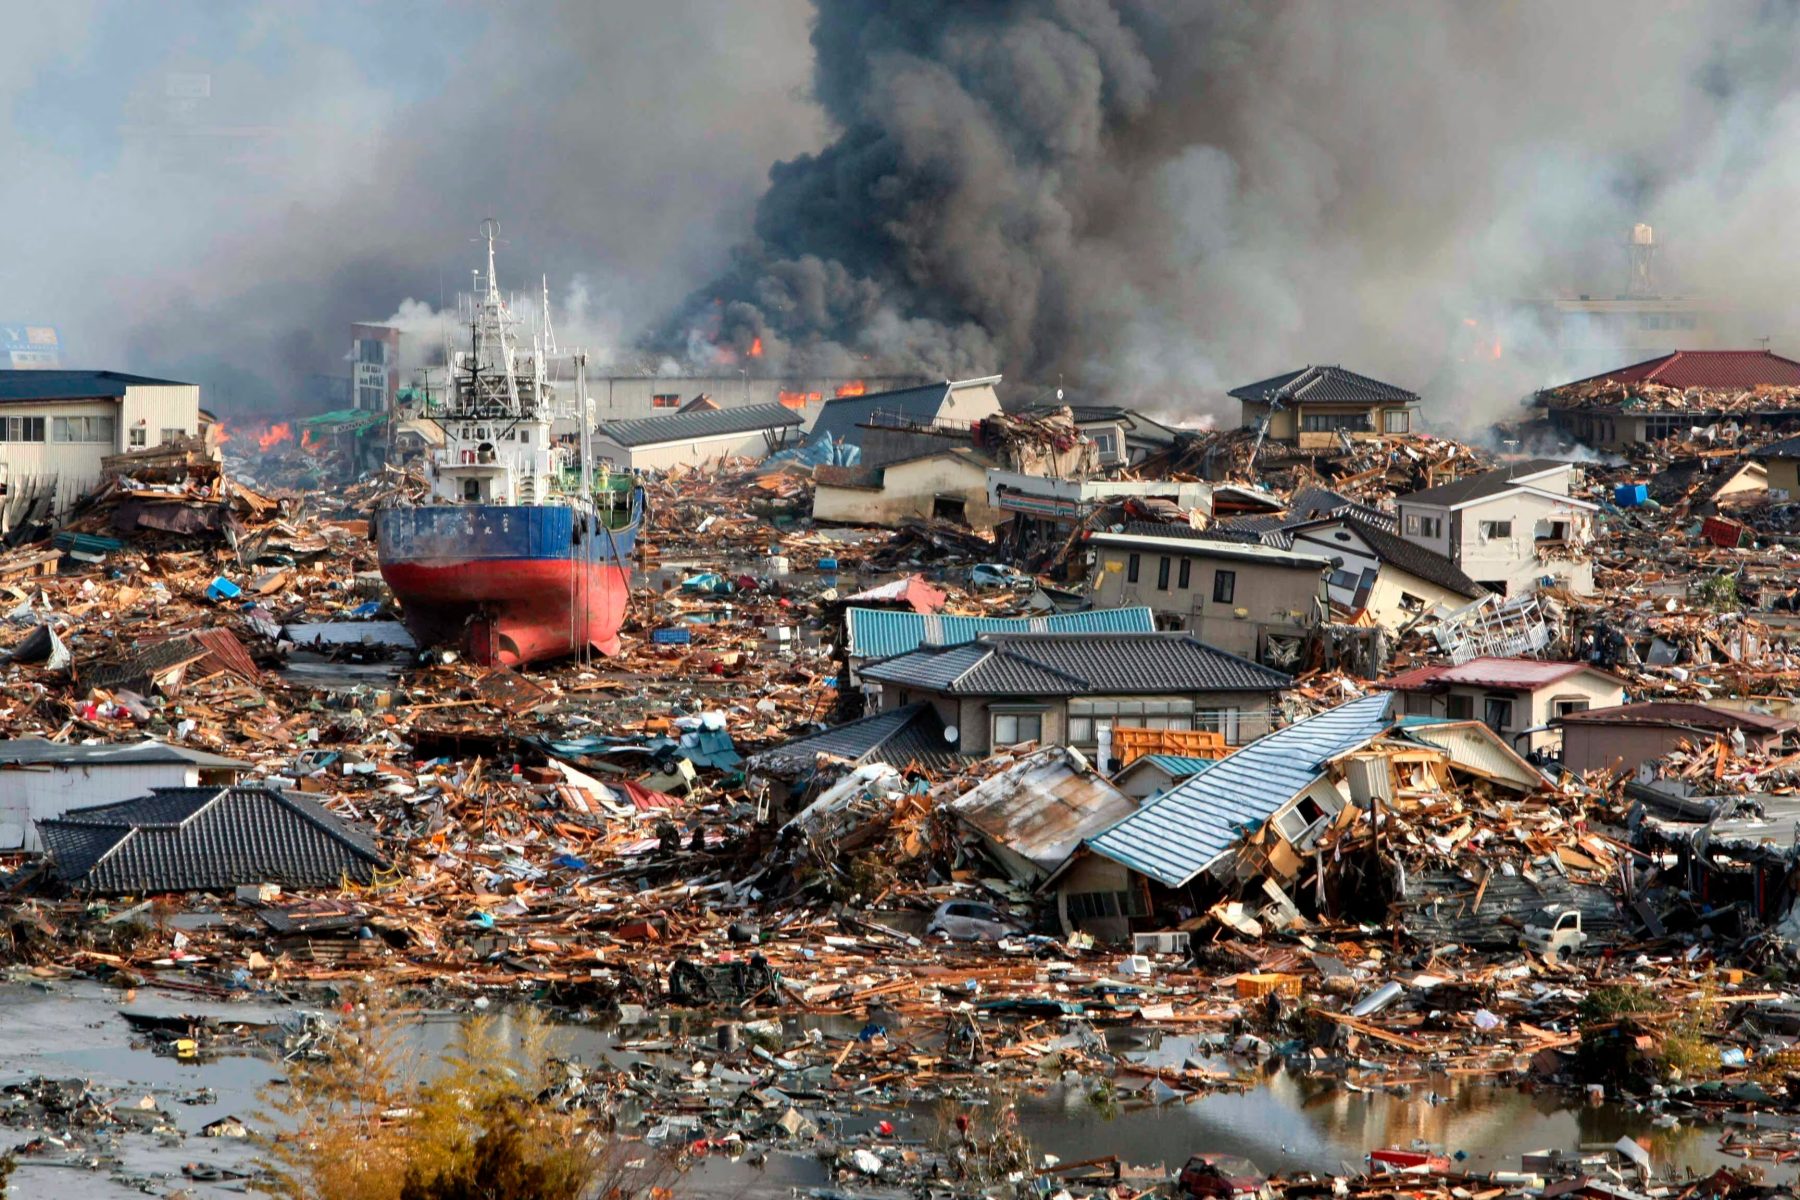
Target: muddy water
74, 1030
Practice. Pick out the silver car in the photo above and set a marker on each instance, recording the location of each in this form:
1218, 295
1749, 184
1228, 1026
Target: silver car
967, 921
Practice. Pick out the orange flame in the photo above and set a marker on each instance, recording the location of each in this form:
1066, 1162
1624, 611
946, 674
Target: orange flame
799, 399
276, 435
756, 348
220, 434
309, 443
855, 387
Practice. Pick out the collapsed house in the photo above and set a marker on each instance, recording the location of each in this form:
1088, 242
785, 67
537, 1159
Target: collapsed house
1251, 824
1032, 816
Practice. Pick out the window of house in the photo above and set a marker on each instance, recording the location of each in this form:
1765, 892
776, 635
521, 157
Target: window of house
1552, 531
1412, 522
1187, 571
1396, 420
1431, 527
1224, 586
83, 429
1459, 708
1564, 707
1350, 422
665, 400
1227, 722
1411, 603
1107, 445
1012, 728
1088, 906
166, 436
1495, 530
1131, 569
139, 436
22, 429
1086, 716
1305, 813
1496, 714
1162, 574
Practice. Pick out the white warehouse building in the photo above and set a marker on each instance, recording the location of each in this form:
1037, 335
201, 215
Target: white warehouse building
56, 426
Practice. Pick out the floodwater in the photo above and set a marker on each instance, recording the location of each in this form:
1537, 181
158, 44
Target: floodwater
73, 1029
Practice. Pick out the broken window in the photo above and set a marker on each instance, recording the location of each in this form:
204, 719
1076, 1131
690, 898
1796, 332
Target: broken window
1497, 714
1552, 531
171, 435
1573, 705
1411, 603
1494, 530
1095, 905
1224, 586
1010, 729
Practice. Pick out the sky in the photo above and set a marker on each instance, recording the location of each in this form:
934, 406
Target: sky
1149, 201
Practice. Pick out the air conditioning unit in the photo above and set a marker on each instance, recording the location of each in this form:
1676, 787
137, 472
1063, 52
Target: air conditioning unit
1174, 941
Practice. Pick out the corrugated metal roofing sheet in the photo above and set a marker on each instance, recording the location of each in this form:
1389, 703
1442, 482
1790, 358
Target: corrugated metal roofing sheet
1174, 837
72, 385
652, 431
1042, 806
879, 633
1517, 674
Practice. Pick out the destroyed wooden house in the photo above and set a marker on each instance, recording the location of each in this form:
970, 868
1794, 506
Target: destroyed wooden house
40, 779
207, 839
947, 483
1512, 530
844, 421
1122, 437
1674, 394
910, 737
1153, 774
1006, 690
1736, 859
1247, 825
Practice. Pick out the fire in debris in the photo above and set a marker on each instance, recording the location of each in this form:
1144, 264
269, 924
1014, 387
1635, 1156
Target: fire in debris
309, 442
855, 387
275, 435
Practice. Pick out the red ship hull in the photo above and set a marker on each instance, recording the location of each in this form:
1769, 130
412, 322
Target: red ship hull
512, 612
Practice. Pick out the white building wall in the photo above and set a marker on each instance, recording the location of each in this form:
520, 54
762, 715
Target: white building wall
689, 453
29, 794
76, 465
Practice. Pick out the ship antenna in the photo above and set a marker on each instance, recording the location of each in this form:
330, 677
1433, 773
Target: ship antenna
549, 333
490, 230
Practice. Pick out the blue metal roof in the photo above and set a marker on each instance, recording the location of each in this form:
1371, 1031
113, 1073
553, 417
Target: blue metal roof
1180, 765
1177, 835
879, 633
72, 385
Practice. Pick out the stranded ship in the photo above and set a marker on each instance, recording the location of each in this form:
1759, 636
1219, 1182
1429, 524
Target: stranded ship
518, 554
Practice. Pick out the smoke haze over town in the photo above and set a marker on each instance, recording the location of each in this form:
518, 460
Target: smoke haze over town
1150, 201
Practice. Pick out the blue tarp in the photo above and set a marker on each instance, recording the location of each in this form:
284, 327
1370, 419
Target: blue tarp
821, 452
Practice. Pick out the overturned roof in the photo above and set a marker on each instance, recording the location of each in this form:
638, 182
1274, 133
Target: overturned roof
37, 752
207, 839
1678, 714
1410, 557
842, 417
698, 423
882, 633
1182, 539
1323, 385
1062, 664
1180, 833
1040, 809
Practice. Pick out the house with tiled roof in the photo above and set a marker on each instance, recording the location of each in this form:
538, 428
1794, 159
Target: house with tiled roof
1677, 394
1518, 698
1316, 405
1004, 690
1380, 575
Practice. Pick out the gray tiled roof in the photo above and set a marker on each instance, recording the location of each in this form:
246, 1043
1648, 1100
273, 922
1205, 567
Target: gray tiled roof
40, 752
206, 839
1323, 385
651, 431
898, 737
1479, 487
1050, 664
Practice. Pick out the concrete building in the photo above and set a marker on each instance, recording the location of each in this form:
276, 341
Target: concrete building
41, 779
1623, 738
945, 484
1009, 689
688, 439
57, 426
374, 367
1253, 600
1510, 529
1517, 698
1314, 406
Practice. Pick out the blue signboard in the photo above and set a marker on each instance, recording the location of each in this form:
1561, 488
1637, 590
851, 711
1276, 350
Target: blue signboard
25, 346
